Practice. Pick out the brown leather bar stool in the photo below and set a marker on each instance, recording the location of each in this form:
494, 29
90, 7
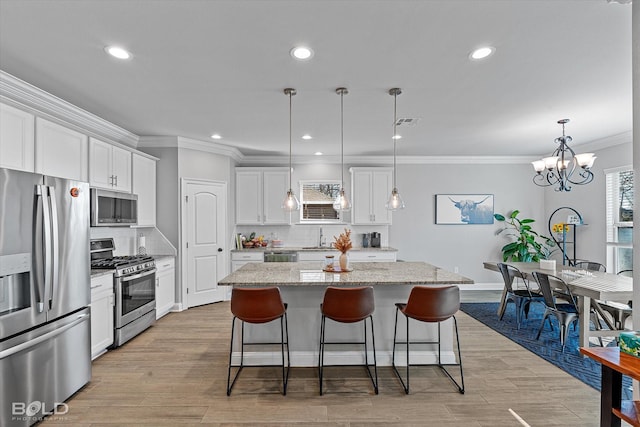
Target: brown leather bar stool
258, 305
431, 304
349, 305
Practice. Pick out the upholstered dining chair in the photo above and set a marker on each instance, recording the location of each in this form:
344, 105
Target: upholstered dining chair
521, 298
566, 312
258, 306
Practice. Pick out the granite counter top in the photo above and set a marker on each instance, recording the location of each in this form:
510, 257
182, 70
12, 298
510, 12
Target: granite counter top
314, 249
365, 273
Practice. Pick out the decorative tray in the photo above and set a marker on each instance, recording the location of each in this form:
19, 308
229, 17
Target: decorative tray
337, 270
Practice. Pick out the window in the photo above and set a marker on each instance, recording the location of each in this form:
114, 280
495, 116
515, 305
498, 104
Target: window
316, 199
620, 196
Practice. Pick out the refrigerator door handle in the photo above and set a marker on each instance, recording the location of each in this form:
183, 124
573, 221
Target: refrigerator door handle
39, 259
46, 209
32, 343
55, 250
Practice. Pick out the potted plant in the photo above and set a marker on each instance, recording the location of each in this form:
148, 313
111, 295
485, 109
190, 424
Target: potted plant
527, 244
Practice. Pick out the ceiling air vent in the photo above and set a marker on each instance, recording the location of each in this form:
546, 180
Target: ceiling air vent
407, 122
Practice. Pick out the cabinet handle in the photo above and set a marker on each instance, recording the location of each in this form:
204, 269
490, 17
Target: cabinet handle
116, 180
111, 180
96, 286
166, 265
157, 283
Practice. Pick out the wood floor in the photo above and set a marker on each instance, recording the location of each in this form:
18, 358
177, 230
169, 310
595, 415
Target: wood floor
175, 374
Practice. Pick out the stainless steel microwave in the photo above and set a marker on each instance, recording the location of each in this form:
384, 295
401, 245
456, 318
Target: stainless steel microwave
112, 209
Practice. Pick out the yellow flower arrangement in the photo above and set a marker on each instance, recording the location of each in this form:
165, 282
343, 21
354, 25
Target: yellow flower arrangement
560, 227
343, 242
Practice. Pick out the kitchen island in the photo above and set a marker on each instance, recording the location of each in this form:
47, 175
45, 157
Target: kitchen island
302, 285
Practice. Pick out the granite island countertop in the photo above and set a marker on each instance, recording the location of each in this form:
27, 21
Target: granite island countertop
314, 249
365, 273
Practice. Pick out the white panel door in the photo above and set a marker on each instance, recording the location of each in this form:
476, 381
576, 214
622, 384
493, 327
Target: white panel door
206, 206
16, 139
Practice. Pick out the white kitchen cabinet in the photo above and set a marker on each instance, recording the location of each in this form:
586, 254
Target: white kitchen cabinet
16, 139
317, 255
109, 166
102, 315
144, 185
259, 196
371, 187
165, 285
240, 258
60, 151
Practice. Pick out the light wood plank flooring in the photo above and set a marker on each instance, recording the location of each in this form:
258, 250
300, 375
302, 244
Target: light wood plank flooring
175, 374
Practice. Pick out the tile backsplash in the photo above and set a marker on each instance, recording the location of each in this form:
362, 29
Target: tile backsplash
302, 235
127, 240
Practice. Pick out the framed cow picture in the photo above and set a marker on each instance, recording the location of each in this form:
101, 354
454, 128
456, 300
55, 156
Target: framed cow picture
464, 209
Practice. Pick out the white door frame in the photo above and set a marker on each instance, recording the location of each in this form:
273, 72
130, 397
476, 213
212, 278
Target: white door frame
183, 233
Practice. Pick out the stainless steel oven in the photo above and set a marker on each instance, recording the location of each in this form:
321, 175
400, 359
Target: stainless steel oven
134, 281
135, 308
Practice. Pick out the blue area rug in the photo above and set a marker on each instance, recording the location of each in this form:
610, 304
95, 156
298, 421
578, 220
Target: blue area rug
548, 346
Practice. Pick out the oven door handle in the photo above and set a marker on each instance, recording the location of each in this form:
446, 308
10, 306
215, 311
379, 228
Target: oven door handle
137, 276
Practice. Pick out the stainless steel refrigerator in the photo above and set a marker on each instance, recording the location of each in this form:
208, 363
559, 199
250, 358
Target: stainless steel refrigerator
45, 346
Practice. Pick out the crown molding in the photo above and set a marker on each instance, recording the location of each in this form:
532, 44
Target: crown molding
192, 144
386, 160
25, 96
607, 142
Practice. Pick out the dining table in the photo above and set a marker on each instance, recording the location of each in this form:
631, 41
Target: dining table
586, 286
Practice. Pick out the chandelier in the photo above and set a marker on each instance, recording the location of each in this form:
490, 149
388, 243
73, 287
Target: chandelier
564, 167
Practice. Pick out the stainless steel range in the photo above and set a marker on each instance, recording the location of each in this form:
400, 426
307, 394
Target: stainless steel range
134, 285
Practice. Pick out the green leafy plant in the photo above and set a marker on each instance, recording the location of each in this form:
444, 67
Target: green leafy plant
527, 245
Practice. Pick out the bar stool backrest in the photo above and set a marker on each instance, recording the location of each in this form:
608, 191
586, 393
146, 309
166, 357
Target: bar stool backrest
348, 305
257, 305
433, 303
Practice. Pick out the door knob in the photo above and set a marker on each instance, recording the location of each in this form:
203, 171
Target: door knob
219, 249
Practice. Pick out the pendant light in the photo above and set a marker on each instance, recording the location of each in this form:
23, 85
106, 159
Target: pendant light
341, 202
395, 201
291, 202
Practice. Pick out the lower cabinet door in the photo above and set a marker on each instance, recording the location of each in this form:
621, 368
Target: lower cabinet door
165, 291
101, 323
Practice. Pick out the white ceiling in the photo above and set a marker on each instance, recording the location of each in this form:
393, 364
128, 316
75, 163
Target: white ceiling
203, 67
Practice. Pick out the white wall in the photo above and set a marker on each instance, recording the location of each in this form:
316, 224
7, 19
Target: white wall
418, 238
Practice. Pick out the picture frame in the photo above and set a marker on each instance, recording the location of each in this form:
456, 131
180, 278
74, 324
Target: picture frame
464, 209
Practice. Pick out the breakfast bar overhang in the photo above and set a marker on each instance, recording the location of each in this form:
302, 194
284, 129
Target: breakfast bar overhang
302, 286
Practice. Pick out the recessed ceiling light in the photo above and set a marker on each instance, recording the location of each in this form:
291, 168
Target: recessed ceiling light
396, 137
117, 52
216, 136
307, 136
482, 52
301, 52
317, 153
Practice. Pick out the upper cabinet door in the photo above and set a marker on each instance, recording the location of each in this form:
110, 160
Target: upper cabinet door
60, 151
361, 195
248, 197
275, 186
380, 192
371, 188
100, 164
144, 185
109, 166
16, 139
121, 168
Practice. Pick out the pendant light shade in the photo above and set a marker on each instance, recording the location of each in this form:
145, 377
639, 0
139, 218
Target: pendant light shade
342, 203
291, 202
395, 201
